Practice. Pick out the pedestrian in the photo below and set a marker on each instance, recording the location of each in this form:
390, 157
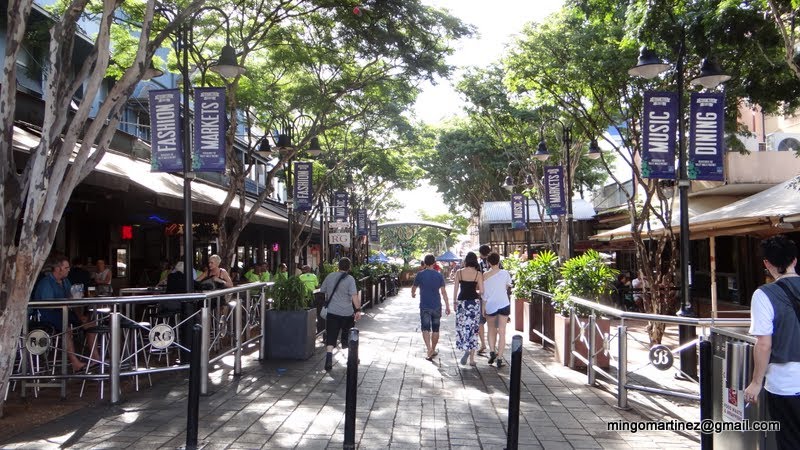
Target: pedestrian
775, 312
344, 307
431, 285
468, 305
497, 308
484, 251
309, 279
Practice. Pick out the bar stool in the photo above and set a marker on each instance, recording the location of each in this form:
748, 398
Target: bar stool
171, 319
132, 345
101, 333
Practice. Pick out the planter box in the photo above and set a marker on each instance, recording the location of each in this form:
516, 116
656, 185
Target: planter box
291, 334
520, 304
539, 316
562, 338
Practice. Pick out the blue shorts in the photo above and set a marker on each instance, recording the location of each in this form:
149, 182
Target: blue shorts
429, 319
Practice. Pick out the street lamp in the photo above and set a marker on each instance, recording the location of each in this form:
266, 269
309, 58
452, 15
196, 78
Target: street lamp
542, 154
649, 66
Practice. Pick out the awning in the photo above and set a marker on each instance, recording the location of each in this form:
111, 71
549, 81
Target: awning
138, 172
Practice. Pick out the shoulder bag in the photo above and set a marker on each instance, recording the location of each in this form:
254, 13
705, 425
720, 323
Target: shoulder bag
324, 311
793, 297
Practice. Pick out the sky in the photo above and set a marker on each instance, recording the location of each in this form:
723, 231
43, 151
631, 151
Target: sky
496, 23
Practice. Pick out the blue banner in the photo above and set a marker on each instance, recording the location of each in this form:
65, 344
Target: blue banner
303, 191
373, 231
166, 146
517, 212
659, 134
555, 204
706, 137
208, 153
362, 223
340, 206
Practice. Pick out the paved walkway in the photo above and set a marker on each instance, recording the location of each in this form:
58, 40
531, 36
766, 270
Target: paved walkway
404, 402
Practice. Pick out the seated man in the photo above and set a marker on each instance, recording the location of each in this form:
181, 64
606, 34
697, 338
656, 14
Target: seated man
254, 274
309, 279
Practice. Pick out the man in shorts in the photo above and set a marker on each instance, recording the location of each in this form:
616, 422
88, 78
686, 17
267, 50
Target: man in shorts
431, 292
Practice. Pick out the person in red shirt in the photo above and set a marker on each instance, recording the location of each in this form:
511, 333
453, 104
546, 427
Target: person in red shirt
437, 267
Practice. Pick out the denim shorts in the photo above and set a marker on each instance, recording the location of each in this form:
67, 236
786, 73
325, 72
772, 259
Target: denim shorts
506, 311
429, 319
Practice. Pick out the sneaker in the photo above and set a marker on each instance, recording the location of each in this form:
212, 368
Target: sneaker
464, 358
328, 362
500, 363
492, 357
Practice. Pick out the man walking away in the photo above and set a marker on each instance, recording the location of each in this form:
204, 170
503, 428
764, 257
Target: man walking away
431, 285
775, 311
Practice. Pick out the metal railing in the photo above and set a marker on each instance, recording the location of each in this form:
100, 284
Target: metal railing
585, 330
231, 319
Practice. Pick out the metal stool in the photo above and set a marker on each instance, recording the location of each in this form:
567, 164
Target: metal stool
102, 334
132, 344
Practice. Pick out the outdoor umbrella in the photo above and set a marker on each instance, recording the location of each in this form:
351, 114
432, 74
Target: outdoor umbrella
448, 256
379, 258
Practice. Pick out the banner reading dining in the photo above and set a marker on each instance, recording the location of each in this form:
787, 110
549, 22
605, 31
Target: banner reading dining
706, 136
517, 212
658, 134
373, 231
362, 222
340, 206
302, 186
208, 153
555, 205
165, 122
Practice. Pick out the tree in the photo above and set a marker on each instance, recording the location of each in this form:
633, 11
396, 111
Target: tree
437, 240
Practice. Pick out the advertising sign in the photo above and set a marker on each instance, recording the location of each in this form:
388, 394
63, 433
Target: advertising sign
165, 137
302, 186
208, 153
706, 136
373, 231
517, 212
362, 223
340, 206
555, 203
659, 134
339, 238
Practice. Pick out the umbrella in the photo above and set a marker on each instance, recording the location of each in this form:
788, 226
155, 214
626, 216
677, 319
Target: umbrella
379, 258
448, 256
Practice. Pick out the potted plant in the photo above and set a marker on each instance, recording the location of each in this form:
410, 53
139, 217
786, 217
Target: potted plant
586, 276
291, 323
540, 273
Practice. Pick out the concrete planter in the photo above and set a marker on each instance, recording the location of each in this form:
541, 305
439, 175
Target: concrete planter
562, 338
520, 304
291, 334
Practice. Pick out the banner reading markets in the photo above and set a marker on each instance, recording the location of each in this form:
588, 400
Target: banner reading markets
706, 138
340, 206
555, 204
208, 153
517, 212
658, 134
165, 121
362, 222
373, 231
302, 186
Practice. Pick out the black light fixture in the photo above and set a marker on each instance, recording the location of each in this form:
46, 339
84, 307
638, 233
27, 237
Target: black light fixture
711, 74
313, 147
541, 152
350, 184
594, 150
264, 149
227, 66
508, 184
529, 180
649, 65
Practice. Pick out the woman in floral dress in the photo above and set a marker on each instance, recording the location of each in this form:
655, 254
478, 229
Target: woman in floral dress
468, 284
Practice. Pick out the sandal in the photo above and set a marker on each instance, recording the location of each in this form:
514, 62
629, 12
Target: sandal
482, 351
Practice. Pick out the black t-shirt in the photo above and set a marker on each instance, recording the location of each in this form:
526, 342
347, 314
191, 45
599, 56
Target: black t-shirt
79, 275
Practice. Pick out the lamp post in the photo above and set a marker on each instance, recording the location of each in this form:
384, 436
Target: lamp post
542, 154
648, 66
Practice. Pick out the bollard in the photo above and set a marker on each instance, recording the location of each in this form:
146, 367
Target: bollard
592, 350
194, 390
350, 396
514, 392
205, 346
706, 392
622, 367
237, 354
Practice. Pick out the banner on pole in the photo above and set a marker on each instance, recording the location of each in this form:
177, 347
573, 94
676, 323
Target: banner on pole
706, 137
165, 126
340, 206
362, 223
659, 133
302, 186
208, 153
555, 204
517, 212
373, 231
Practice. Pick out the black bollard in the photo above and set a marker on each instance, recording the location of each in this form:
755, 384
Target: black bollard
514, 392
194, 390
706, 392
350, 396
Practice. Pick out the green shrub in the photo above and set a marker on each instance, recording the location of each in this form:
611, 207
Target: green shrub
539, 273
290, 294
585, 276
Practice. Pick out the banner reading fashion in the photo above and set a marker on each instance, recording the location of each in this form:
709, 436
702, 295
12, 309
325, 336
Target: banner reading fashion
208, 153
554, 191
165, 122
340, 206
373, 231
362, 222
517, 212
706, 137
303, 192
658, 134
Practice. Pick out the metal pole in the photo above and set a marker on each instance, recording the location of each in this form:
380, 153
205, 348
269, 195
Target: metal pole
116, 344
686, 333
237, 318
352, 391
592, 358
570, 227
706, 392
205, 345
512, 440
188, 176
528, 226
570, 356
194, 390
290, 219
622, 367
262, 348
